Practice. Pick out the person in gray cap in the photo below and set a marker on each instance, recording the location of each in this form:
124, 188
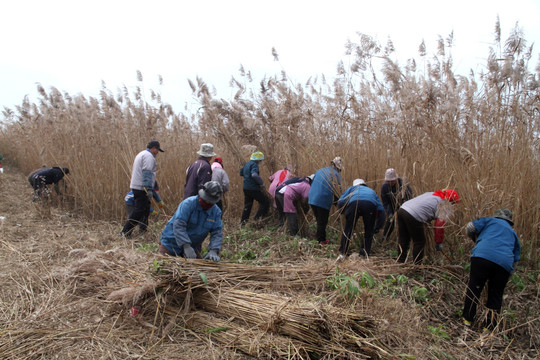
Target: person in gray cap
492, 261
200, 172
195, 218
143, 179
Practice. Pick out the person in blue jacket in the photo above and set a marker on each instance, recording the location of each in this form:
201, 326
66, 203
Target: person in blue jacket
325, 190
196, 217
254, 188
360, 200
497, 250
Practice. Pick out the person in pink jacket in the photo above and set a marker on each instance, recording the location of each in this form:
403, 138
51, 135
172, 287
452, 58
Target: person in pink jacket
290, 197
278, 178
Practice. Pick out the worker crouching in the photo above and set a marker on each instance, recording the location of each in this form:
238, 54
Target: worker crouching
195, 219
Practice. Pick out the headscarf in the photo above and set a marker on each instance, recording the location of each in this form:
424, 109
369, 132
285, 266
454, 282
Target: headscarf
447, 194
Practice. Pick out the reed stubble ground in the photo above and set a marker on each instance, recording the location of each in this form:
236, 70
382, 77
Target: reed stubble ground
68, 284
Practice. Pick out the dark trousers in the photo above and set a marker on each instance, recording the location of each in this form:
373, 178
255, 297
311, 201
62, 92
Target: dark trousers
409, 227
389, 225
139, 215
261, 198
496, 276
220, 205
354, 209
279, 198
292, 220
321, 216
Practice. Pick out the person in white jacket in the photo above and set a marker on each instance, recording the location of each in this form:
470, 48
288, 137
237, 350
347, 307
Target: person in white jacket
143, 178
220, 175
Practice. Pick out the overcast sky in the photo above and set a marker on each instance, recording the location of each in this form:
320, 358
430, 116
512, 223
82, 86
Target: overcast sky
75, 45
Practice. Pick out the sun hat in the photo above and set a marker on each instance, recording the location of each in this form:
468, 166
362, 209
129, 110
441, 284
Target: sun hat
504, 214
257, 156
338, 163
211, 192
390, 175
154, 144
357, 182
207, 150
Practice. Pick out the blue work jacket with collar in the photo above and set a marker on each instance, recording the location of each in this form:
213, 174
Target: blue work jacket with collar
360, 192
191, 224
496, 242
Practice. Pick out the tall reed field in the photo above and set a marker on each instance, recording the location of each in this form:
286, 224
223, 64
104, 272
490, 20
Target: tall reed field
478, 134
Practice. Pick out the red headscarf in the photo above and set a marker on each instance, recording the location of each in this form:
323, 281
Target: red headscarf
447, 194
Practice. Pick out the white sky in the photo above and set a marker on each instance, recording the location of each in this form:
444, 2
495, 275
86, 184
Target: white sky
73, 45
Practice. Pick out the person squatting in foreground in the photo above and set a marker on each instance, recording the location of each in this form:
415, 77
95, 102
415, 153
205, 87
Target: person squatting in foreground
42, 177
360, 200
324, 192
493, 258
196, 217
143, 178
412, 216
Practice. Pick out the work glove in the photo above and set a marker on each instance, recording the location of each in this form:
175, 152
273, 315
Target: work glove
149, 194
154, 213
189, 253
161, 204
438, 247
212, 255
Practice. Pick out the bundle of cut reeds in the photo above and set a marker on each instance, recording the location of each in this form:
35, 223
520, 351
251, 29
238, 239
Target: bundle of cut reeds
196, 273
246, 296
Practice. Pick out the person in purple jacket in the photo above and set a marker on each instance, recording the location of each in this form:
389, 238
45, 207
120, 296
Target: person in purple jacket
292, 197
200, 172
360, 200
497, 250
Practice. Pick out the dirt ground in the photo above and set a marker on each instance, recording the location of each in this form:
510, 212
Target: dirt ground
58, 272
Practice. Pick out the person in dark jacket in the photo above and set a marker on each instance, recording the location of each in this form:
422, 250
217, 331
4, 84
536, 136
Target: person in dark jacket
39, 180
200, 172
254, 188
497, 250
393, 193
360, 200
